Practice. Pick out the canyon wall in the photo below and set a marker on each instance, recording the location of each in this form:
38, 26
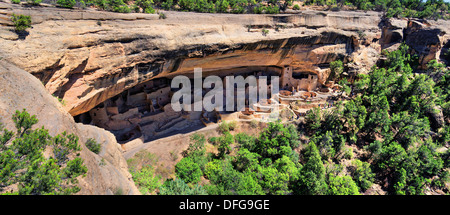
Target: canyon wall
86, 56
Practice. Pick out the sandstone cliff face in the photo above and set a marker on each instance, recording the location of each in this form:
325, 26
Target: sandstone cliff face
19, 90
86, 57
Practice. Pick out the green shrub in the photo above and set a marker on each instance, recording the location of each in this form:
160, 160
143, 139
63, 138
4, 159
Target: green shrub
447, 53
34, 2
135, 8
63, 145
312, 174
146, 5
102, 4
92, 145
187, 5
227, 126
113, 5
15, 1
237, 9
245, 140
213, 168
272, 9
342, 185
348, 153
363, 175
188, 171
149, 10
196, 150
66, 3
146, 180
60, 100
222, 6
122, 9
21, 22
142, 158
173, 155
296, 7
224, 144
196, 146
167, 4
337, 68
102, 162
259, 9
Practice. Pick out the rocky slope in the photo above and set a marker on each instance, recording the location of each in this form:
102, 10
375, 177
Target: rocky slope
107, 171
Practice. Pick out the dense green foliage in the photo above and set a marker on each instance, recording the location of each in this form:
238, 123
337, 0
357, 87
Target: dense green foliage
66, 3
21, 22
145, 5
313, 178
342, 185
202, 6
22, 160
362, 174
119, 6
267, 164
394, 117
146, 179
433, 9
337, 68
188, 171
430, 9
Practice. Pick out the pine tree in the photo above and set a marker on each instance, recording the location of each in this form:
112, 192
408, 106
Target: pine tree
312, 175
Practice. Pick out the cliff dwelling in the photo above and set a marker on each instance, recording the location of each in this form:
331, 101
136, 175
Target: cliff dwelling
145, 111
